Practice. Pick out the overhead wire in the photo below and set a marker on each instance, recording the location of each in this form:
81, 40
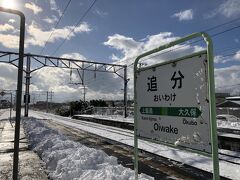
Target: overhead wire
75, 26
227, 49
228, 55
65, 9
189, 43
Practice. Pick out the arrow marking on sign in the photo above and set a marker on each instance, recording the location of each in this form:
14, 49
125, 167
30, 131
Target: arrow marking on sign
192, 112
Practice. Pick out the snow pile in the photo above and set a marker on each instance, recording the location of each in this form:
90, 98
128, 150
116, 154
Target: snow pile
228, 124
66, 159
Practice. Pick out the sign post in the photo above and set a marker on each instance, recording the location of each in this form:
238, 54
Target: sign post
2, 94
175, 103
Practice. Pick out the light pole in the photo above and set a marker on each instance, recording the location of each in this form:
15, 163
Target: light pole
19, 88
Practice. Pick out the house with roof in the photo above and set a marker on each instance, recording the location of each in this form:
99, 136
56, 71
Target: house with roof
230, 106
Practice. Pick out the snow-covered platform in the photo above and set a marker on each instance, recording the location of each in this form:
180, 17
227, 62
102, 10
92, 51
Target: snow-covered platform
229, 130
30, 166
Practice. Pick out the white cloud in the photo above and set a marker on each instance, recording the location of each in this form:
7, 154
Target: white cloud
224, 59
226, 78
73, 56
100, 13
218, 59
8, 76
228, 8
36, 9
53, 6
10, 41
130, 48
51, 20
6, 27
154, 41
84, 27
237, 55
58, 81
184, 15
12, 20
38, 36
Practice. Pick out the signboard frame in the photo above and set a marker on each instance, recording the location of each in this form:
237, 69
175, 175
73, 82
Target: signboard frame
211, 95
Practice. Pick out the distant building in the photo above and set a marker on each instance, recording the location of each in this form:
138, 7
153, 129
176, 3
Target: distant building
5, 103
230, 106
233, 98
221, 97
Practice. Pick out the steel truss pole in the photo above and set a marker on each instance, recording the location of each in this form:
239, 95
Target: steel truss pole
28, 77
125, 91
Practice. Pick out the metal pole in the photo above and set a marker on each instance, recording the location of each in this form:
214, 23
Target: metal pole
50, 105
212, 103
11, 109
47, 103
125, 91
135, 122
83, 84
27, 96
19, 89
84, 93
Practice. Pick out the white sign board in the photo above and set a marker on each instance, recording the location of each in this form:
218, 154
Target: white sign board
173, 103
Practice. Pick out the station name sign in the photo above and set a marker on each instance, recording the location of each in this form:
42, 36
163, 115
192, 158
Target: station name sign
173, 105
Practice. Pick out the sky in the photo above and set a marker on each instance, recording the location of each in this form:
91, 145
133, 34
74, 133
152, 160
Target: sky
117, 32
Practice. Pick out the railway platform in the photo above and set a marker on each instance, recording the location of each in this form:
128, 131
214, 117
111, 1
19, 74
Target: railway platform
30, 166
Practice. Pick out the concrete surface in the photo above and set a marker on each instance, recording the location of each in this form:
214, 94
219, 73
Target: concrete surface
30, 166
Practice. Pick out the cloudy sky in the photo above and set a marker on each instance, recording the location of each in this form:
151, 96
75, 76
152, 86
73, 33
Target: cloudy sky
116, 32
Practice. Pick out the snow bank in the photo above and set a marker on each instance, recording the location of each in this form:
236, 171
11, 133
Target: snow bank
66, 159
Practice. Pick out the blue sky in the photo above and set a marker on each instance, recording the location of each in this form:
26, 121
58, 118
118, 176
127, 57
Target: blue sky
115, 31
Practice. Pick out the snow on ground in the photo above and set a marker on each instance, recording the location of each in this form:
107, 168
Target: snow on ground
108, 117
220, 124
227, 169
227, 124
66, 159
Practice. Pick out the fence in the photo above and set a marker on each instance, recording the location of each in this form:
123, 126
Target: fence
113, 111
231, 111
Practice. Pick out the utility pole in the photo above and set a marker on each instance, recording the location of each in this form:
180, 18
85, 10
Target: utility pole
27, 95
49, 97
47, 103
125, 91
84, 93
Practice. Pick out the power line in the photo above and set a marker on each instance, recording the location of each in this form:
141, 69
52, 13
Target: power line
77, 24
223, 24
227, 49
65, 9
209, 29
190, 43
231, 54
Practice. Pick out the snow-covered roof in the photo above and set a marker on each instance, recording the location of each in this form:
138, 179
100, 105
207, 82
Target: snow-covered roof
229, 103
233, 98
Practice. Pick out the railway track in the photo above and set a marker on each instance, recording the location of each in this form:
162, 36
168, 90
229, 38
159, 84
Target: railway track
151, 164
